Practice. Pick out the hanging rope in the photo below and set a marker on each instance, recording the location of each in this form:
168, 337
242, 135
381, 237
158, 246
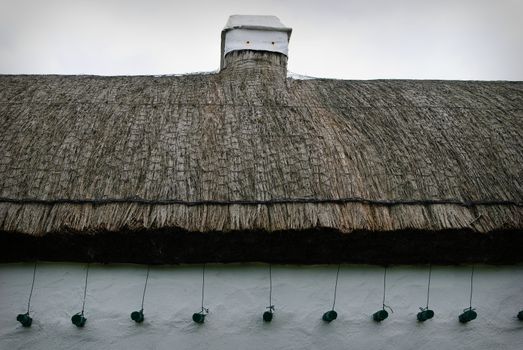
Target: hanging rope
270, 284
471, 286
426, 313
203, 283
266, 317
336, 286
204, 310
469, 313
32, 286
385, 289
384, 286
270, 307
428, 287
145, 287
85, 287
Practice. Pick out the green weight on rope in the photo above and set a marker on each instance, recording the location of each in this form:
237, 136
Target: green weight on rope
425, 315
330, 316
468, 316
137, 316
198, 317
267, 316
79, 320
25, 319
379, 316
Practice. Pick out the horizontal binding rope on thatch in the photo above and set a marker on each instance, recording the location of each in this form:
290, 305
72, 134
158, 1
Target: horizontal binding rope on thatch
139, 200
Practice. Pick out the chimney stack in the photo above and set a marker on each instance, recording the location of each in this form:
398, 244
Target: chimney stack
264, 37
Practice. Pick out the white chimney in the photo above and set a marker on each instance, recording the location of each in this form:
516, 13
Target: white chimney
256, 33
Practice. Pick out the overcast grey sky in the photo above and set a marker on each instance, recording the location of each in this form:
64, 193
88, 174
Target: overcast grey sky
353, 39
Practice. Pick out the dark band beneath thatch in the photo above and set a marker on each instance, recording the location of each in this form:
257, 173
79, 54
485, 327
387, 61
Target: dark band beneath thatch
174, 246
305, 200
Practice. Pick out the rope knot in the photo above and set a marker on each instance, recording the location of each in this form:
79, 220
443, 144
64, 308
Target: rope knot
388, 307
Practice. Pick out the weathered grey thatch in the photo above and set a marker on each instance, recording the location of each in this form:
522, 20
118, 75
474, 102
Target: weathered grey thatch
249, 149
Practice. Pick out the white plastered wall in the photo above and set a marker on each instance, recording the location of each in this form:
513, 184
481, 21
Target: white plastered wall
237, 296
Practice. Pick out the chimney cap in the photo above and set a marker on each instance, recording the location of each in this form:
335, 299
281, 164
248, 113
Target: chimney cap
254, 32
271, 23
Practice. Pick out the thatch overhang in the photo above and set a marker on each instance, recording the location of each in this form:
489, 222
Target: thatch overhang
247, 153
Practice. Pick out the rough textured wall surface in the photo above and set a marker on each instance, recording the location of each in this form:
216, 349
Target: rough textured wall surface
237, 296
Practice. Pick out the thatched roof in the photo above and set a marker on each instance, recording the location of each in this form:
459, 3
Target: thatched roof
249, 150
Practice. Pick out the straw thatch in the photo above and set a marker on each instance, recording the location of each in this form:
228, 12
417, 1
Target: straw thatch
248, 149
